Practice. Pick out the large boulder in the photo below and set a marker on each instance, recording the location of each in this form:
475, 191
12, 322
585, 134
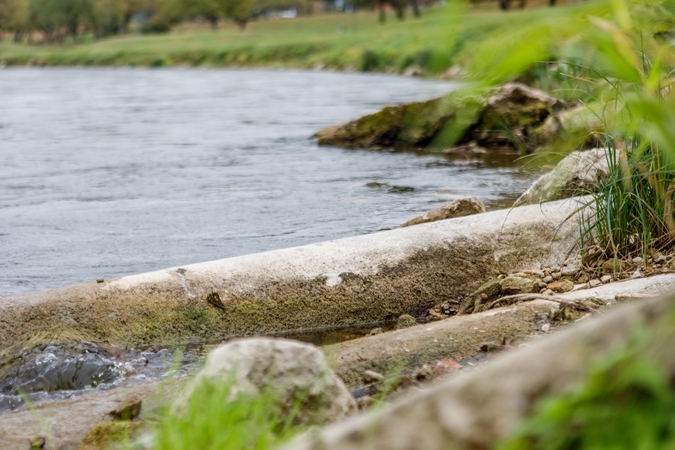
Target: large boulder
577, 174
286, 370
507, 117
457, 208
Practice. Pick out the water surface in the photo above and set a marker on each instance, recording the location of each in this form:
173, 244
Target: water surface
108, 172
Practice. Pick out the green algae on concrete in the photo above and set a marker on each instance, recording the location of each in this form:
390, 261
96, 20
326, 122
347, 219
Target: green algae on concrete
367, 279
106, 434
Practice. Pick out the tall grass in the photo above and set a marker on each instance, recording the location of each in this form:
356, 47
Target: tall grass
214, 419
615, 58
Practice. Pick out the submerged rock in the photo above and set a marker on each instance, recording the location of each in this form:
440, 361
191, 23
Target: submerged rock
288, 370
577, 174
457, 208
504, 118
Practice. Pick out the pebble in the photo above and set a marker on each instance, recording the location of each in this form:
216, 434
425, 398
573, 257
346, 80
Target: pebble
637, 260
100, 280
37, 442
578, 287
637, 274
375, 331
595, 283
545, 327
548, 279
370, 376
556, 275
606, 279
538, 273
548, 292
570, 271
561, 286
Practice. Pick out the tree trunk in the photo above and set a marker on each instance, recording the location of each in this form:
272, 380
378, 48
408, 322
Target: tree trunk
381, 12
241, 23
213, 21
400, 11
416, 8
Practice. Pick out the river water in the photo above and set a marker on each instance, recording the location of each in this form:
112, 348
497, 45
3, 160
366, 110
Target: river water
108, 172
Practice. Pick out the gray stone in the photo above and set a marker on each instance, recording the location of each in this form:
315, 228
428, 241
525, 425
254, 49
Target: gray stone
570, 271
518, 285
605, 279
457, 208
289, 370
548, 279
595, 283
576, 174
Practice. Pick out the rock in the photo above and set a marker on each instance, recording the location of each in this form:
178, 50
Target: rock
518, 285
548, 279
548, 292
425, 372
100, 280
489, 288
577, 173
375, 331
545, 327
478, 121
370, 376
458, 208
289, 370
105, 435
595, 283
570, 271
561, 286
490, 347
413, 71
605, 279
405, 321
37, 442
128, 409
580, 286
364, 402
637, 274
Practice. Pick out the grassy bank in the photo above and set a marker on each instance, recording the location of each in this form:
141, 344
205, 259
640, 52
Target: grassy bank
443, 37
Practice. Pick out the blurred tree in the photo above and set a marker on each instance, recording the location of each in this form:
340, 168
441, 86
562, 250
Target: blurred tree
211, 10
242, 11
14, 18
164, 14
54, 16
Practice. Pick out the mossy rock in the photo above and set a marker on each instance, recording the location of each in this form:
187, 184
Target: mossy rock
105, 434
405, 321
510, 116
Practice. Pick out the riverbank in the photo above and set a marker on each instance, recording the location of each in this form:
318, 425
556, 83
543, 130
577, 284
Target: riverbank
441, 39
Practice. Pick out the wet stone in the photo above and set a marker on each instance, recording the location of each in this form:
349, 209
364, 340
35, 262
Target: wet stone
54, 367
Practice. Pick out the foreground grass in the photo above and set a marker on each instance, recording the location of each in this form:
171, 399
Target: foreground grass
443, 37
